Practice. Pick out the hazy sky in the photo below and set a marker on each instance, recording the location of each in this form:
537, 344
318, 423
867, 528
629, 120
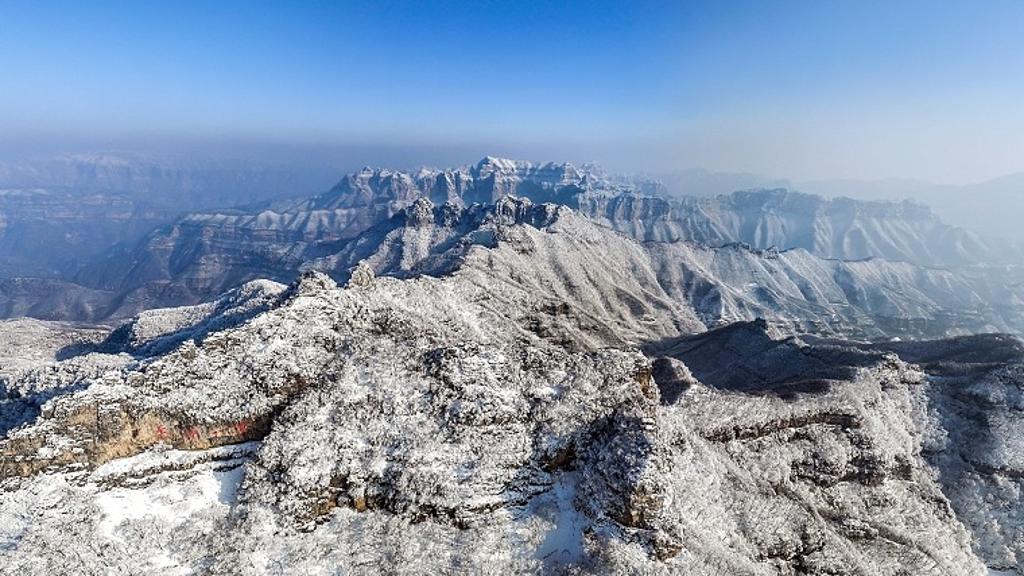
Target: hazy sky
815, 89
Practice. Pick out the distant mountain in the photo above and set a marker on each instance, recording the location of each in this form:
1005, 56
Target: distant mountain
49, 232
481, 421
995, 207
164, 181
58, 213
646, 290
217, 250
863, 269
839, 228
555, 250
891, 189
213, 251
991, 208
701, 182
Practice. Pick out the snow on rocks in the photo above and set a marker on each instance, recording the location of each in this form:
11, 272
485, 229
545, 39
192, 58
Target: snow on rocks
473, 424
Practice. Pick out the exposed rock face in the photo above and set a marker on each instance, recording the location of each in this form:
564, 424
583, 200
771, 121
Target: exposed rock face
426, 424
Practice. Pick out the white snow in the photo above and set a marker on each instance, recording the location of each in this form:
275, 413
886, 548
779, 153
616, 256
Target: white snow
564, 543
173, 502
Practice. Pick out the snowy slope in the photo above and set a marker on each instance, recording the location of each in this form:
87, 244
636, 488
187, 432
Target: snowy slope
204, 254
429, 425
554, 250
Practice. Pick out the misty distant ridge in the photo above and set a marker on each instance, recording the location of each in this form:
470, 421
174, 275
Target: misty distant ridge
992, 207
181, 184
187, 182
62, 197
60, 213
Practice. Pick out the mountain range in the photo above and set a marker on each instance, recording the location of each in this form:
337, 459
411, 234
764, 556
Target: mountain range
492, 421
806, 264
61, 211
519, 368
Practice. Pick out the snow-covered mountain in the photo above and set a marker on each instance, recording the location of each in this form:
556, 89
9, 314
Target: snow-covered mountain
205, 254
560, 250
839, 228
992, 206
454, 378
469, 423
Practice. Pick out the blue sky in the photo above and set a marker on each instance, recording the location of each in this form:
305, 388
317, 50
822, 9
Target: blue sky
803, 89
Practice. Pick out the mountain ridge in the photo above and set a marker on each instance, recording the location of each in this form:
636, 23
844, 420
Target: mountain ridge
205, 254
433, 413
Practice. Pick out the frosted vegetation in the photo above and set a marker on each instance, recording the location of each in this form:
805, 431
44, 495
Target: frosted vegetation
477, 423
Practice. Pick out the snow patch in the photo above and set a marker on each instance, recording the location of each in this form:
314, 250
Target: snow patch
564, 543
172, 502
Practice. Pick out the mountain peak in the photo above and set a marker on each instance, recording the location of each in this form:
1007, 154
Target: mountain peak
490, 164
